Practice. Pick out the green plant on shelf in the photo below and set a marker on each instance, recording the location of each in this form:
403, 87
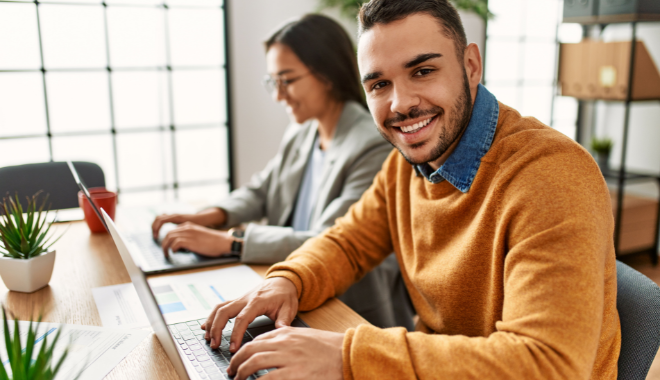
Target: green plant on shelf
23, 235
602, 146
26, 363
351, 8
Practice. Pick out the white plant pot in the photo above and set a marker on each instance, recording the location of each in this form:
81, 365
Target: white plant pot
29, 275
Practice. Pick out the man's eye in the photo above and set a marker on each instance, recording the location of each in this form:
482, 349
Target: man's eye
423, 72
379, 85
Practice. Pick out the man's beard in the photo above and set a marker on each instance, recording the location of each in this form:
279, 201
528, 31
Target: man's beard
457, 122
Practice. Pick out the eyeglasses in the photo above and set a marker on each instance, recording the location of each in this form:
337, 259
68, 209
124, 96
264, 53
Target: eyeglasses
277, 83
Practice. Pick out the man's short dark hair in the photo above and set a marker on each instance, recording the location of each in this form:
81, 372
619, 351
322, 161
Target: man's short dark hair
387, 11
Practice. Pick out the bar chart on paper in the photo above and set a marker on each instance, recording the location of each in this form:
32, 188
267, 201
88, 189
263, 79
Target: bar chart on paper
193, 296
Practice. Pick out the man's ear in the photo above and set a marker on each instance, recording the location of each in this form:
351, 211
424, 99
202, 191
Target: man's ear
473, 65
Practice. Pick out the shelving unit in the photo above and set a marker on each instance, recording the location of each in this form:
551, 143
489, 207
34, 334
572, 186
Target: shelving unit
622, 176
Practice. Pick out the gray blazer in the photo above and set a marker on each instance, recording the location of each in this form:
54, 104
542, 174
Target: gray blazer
355, 156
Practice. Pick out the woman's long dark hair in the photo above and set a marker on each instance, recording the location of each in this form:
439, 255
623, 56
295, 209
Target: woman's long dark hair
325, 47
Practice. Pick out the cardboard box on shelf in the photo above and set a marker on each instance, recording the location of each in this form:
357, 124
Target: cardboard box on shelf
599, 70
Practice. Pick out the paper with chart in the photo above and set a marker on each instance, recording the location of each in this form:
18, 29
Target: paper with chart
192, 296
180, 297
119, 306
94, 350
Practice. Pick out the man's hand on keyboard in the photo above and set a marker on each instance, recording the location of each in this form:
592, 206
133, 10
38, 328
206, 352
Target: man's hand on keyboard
297, 353
276, 298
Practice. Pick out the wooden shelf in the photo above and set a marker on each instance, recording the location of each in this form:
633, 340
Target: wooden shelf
613, 19
638, 222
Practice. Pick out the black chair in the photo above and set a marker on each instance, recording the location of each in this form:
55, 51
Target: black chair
638, 303
54, 178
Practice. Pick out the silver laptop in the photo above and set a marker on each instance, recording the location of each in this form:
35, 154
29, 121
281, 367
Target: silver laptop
150, 257
184, 342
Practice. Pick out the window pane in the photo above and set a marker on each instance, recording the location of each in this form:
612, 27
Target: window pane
201, 154
503, 61
22, 107
96, 149
145, 159
198, 96
140, 99
19, 39
146, 198
136, 37
201, 3
569, 33
566, 109
541, 18
73, 36
72, 1
203, 195
78, 101
24, 151
195, 37
539, 64
536, 102
506, 94
508, 17
134, 2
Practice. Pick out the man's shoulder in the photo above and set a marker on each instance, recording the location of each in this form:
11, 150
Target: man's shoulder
519, 138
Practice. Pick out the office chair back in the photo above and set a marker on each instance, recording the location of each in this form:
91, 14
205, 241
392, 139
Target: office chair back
54, 178
638, 303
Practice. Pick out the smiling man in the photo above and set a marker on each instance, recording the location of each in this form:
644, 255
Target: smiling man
501, 225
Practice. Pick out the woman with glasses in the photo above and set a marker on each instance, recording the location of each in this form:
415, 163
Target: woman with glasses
329, 156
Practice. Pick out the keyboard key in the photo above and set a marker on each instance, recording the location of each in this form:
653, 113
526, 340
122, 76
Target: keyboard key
261, 372
211, 369
182, 327
207, 364
199, 369
192, 323
217, 376
201, 321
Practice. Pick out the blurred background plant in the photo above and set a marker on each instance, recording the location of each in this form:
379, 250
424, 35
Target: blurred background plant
25, 362
601, 146
23, 233
351, 8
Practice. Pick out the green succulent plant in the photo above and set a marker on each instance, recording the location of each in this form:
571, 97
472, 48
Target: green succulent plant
351, 8
24, 236
601, 146
25, 362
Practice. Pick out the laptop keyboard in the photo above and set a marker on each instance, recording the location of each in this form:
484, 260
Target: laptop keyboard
209, 363
153, 253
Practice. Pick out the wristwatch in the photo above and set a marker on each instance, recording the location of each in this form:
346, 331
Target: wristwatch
237, 244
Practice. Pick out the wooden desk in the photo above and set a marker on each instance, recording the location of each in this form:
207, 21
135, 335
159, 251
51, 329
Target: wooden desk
85, 261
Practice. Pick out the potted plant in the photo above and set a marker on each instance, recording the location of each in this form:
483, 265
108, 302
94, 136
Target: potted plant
27, 261
602, 148
25, 362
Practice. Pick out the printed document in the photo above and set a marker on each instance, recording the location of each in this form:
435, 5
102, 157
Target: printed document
93, 350
180, 297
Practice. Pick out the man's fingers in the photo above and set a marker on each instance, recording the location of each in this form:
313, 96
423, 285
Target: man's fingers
255, 362
285, 315
209, 319
222, 315
241, 323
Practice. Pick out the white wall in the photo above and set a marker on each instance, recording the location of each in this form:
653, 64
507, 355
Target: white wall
259, 123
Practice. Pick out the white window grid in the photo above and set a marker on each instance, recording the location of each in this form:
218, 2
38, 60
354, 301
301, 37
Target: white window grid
188, 146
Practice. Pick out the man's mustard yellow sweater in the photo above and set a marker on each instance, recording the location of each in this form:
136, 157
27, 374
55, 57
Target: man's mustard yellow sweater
515, 279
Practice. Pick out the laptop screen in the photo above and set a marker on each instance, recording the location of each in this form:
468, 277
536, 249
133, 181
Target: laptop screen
83, 188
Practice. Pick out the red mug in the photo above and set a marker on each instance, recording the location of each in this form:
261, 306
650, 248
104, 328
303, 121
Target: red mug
103, 199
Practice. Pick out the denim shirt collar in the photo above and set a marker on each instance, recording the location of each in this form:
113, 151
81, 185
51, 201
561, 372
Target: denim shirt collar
462, 165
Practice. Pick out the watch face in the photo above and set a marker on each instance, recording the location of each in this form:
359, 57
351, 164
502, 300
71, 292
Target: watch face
238, 234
